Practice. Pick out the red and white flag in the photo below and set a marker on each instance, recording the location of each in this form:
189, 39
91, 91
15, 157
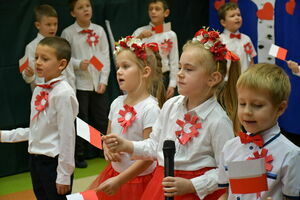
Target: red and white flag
247, 176
162, 28
23, 63
86, 195
96, 63
88, 133
278, 52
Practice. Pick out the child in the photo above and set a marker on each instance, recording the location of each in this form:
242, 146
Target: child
88, 40
46, 23
231, 19
263, 92
194, 120
139, 73
51, 135
158, 10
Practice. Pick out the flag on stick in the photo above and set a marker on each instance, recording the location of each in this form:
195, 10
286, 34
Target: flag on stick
23, 63
86, 195
278, 52
96, 63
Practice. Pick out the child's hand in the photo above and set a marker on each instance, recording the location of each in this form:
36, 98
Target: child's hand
29, 71
293, 66
84, 65
101, 88
110, 186
109, 156
174, 186
62, 189
170, 92
145, 34
116, 144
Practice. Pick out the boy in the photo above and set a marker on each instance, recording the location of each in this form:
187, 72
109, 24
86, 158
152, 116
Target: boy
168, 48
231, 19
51, 135
46, 23
263, 92
87, 40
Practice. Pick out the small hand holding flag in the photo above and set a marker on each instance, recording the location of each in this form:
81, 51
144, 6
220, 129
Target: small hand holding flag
23, 63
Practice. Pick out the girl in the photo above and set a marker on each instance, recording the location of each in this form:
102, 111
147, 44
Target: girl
194, 120
132, 116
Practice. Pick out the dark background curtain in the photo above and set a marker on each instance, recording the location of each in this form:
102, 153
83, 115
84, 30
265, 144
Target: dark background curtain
17, 30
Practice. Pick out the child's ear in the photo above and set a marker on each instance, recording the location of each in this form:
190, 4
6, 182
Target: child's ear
214, 79
281, 108
37, 25
167, 12
62, 64
222, 22
72, 14
146, 71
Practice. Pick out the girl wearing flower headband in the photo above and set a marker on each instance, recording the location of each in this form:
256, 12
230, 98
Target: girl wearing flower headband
132, 117
194, 120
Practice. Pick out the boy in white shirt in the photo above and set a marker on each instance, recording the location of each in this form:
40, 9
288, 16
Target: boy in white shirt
51, 135
231, 19
46, 23
263, 92
168, 46
88, 40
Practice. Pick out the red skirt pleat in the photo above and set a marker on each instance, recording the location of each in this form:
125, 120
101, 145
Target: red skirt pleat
132, 190
154, 190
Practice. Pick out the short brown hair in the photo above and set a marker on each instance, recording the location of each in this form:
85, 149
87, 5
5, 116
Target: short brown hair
225, 7
73, 2
268, 77
62, 47
44, 10
165, 4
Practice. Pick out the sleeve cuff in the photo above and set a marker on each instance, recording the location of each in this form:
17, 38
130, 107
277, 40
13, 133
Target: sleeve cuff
63, 179
5, 136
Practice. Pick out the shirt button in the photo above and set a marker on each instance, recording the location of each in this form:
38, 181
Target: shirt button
251, 147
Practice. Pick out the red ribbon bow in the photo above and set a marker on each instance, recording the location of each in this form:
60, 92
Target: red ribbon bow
92, 38
127, 117
263, 154
191, 124
48, 86
86, 31
238, 35
256, 139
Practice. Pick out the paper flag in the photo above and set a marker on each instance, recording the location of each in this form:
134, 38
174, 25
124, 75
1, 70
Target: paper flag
162, 28
88, 133
23, 63
86, 195
278, 52
96, 63
247, 177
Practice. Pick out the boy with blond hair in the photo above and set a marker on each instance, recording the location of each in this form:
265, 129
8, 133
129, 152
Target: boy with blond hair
51, 134
231, 19
158, 10
263, 92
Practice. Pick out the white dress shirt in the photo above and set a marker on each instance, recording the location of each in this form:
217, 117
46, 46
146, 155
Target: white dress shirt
52, 132
90, 79
169, 60
201, 151
237, 46
147, 113
283, 179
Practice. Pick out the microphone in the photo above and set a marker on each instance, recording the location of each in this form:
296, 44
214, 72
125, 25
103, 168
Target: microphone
169, 151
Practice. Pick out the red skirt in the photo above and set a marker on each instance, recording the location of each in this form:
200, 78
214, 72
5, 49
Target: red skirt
154, 191
133, 189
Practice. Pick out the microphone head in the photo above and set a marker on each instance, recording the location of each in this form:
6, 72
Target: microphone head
169, 148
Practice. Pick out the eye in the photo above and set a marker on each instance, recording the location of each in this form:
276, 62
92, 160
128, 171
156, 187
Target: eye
258, 105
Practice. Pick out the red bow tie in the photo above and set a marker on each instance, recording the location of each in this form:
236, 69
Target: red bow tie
48, 86
86, 31
238, 36
256, 139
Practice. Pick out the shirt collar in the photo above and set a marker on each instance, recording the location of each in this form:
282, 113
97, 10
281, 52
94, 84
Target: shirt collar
268, 134
61, 77
227, 32
78, 28
202, 110
40, 36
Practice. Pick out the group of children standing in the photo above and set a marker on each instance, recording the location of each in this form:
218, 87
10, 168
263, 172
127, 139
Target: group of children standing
214, 102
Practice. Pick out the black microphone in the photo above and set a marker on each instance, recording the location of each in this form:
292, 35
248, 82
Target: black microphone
169, 151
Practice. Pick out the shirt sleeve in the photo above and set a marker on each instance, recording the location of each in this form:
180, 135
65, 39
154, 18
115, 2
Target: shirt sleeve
67, 110
290, 175
15, 135
104, 50
74, 62
222, 131
174, 60
30, 53
222, 175
151, 113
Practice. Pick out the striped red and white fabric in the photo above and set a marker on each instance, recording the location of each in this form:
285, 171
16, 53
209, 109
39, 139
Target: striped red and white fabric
89, 133
278, 52
86, 195
23, 63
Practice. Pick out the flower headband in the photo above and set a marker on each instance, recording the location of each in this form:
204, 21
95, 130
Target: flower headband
135, 45
211, 40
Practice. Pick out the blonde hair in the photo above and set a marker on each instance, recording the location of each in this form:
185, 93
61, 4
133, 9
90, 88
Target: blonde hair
268, 77
225, 92
154, 83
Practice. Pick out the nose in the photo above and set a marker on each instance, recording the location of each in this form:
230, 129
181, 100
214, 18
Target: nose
180, 73
248, 110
